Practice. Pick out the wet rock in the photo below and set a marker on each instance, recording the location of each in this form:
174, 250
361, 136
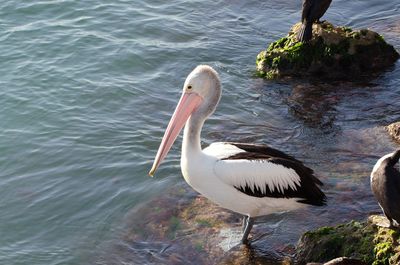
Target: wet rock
340, 261
394, 131
352, 239
363, 242
345, 261
333, 52
181, 226
244, 255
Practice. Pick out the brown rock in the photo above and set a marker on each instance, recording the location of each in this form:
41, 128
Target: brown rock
345, 261
394, 131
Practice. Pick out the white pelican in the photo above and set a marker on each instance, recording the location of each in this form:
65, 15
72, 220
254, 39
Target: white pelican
385, 185
252, 180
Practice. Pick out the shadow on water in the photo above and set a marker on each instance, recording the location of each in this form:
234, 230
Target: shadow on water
315, 105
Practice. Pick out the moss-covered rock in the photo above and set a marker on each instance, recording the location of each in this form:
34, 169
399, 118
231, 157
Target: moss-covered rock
394, 131
364, 241
333, 52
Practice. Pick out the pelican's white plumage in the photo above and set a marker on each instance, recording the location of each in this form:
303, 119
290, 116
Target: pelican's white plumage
221, 150
257, 173
261, 173
217, 180
249, 179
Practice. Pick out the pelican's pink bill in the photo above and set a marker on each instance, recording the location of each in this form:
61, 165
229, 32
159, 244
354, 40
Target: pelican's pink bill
186, 105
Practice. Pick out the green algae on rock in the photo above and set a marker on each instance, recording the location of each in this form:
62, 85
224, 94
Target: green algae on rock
333, 52
194, 230
387, 244
365, 241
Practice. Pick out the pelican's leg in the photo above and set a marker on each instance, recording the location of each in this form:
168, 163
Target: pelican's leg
244, 222
249, 225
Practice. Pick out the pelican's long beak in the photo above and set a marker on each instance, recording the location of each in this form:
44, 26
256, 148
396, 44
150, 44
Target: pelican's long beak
186, 106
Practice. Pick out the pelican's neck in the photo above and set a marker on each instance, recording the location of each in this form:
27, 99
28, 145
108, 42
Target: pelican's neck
191, 136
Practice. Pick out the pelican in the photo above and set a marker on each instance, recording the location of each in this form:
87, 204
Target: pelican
385, 185
250, 179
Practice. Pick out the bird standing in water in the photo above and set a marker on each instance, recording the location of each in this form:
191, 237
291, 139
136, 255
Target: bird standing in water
385, 184
249, 179
313, 10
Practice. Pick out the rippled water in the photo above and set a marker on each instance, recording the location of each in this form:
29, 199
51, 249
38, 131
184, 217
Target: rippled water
86, 89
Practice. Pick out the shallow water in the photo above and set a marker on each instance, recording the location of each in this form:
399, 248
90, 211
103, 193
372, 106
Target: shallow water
87, 89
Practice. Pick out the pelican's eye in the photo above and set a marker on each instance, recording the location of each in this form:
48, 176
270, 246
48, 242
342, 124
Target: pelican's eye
189, 87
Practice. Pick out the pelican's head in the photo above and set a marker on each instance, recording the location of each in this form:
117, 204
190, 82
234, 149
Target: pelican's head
200, 96
204, 82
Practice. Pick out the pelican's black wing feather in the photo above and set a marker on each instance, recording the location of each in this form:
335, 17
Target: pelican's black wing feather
307, 191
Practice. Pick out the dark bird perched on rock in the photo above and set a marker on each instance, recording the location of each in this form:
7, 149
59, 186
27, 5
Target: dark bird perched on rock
385, 184
313, 10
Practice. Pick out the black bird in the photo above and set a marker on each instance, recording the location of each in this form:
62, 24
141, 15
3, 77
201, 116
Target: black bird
313, 10
385, 184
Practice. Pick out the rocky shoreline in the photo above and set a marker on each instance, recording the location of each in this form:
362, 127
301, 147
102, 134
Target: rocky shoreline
366, 242
191, 227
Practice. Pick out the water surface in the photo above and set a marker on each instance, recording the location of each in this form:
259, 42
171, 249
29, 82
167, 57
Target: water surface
88, 87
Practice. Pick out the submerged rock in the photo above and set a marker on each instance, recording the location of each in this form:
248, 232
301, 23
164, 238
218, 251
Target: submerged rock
364, 241
341, 261
394, 131
333, 52
182, 227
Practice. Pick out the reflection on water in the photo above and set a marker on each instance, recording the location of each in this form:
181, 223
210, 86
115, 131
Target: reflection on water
315, 105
